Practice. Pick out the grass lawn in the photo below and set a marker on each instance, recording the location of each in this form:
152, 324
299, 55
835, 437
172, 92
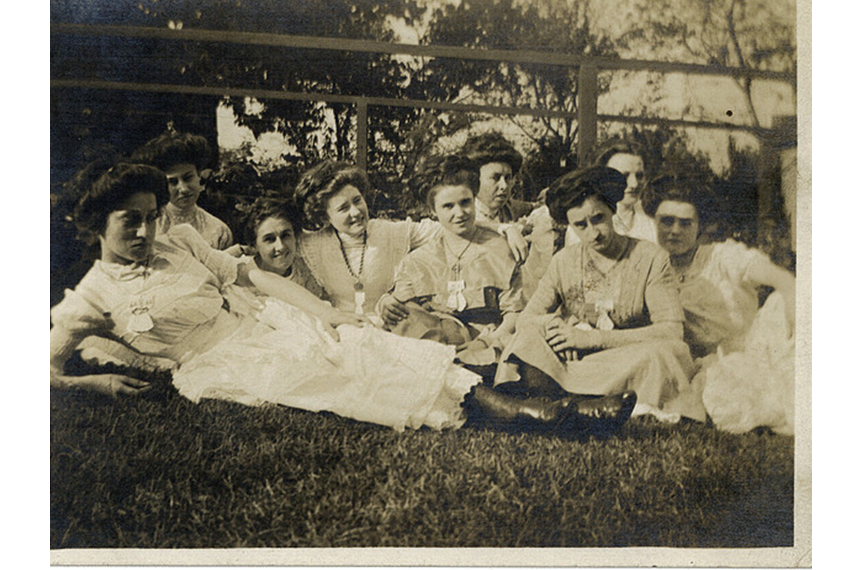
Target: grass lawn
173, 474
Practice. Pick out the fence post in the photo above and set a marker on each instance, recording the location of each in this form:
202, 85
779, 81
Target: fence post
362, 133
588, 105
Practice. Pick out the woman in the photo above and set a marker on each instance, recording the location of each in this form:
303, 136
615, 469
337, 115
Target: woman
167, 297
747, 369
499, 163
185, 160
270, 227
626, 157
629, 219
352, 256
606, 316
467, 271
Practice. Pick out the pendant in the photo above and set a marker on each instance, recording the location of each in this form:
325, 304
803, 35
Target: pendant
604, 322
456, 300
359, 300
358, 286
140, 320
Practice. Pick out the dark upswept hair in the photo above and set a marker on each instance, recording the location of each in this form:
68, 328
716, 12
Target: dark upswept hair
266, 207
110, 189
681, 188
492, 147
572, 190
604, 152
171, 148
320, 183
439, 171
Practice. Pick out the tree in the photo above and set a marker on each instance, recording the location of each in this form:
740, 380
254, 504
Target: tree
556, 26
728, 34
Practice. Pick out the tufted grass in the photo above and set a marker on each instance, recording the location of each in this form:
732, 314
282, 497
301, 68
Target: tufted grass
172, 474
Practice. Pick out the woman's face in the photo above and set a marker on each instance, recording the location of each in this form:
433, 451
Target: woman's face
455, 209
347, 211
632, 167
677, 225
276, 245
184, 185
130, 230
495, 184
592, 223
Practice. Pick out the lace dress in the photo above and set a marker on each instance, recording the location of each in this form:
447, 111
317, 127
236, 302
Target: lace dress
214, 231
261, 350
747, 373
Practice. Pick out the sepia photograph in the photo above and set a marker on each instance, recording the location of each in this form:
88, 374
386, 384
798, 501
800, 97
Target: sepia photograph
430, 283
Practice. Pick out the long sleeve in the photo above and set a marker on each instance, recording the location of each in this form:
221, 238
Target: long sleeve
72, 320
661, 294
546, 299
423, 231
221, 264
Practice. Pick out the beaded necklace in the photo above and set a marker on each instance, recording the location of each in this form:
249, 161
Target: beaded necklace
358, 287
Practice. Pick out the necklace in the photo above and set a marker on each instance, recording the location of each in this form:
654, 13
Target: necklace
456, 300
456, 267
358, 292
357, 275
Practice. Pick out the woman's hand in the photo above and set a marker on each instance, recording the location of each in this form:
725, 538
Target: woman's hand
392, 311
564, 338
335, 318
338, 318
517, 243
114, 385
238, 250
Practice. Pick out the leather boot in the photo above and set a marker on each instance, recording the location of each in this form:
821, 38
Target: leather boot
599, 416
523, 414
570, 416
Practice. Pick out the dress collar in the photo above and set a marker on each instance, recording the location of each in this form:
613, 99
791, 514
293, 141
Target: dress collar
131, 271
180, 217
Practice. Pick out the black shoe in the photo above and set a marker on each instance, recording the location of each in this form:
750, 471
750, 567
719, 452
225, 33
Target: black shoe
495, 409
596, 416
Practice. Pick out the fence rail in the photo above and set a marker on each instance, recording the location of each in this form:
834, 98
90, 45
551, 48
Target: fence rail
391, 48
588, 68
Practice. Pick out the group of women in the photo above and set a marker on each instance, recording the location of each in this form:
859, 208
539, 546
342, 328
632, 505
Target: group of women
396, 322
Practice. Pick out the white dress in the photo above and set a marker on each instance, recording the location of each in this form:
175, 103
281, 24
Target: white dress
214, 231
261, 350
748, 372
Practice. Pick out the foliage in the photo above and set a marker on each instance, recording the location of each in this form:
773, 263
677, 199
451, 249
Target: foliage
554, 26
738, 34
755, 34
172, 474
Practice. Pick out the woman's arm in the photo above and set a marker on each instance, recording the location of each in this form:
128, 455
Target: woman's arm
504, 332
545, 299
765, 273
63, 344
563, 336
514, 234
275, 286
